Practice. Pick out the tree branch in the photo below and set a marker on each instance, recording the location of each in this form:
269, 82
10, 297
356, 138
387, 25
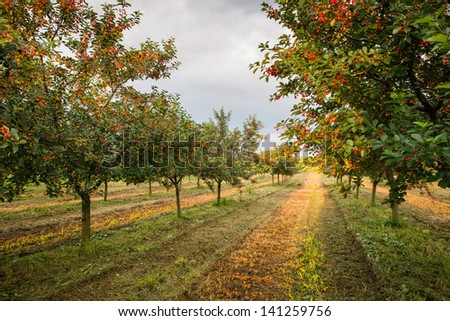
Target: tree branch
429, 109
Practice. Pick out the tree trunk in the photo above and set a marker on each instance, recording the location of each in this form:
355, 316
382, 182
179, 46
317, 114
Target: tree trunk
273, 179
278, 179
149, 187
395, 213
374, 192
358, 185
219, 185
105, 194
394, 205
350, 181
177, 195
198, 181
85, 217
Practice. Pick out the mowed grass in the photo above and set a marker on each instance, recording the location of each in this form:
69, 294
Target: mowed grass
35, 204
153, 259
413, 259
51, 222
352, 253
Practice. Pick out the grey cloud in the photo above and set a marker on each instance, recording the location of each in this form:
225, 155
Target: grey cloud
216, 41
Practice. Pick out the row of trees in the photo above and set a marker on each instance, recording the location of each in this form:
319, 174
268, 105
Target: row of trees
179, 148
71, 119
372, 83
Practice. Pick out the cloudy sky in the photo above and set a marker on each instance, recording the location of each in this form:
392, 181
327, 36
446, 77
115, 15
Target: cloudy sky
216, 41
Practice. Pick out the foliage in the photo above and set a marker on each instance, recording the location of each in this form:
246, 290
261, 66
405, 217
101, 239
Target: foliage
227, 155
371, 79
65, 78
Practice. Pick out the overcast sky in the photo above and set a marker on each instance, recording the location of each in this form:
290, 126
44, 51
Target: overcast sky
216, 41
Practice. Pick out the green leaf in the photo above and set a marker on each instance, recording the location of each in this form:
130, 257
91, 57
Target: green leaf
438, 38
439, 12
441, 138
443, 184
390, 161
347, 149
417, 137
446, 151
387, 60
390, 153
421, 124
15, 133
333, 22
444, 86
426, 19
396, 30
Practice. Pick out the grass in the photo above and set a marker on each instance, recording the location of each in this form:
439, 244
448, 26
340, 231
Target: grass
35, 203
350, 251
224, 201
309, 284
50, 227
411, 257
149, 259
309, 279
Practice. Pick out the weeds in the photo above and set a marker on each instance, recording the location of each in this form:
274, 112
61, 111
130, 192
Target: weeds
182, 263
134, 252
412, 258
388, 222
309, 282
150, 282
223, 202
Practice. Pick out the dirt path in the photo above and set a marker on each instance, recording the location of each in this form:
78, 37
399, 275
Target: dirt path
260, 268
178, 261
266, 265
282, 243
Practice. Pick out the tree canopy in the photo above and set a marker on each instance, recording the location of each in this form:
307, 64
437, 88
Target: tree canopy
66, 92
371, 79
